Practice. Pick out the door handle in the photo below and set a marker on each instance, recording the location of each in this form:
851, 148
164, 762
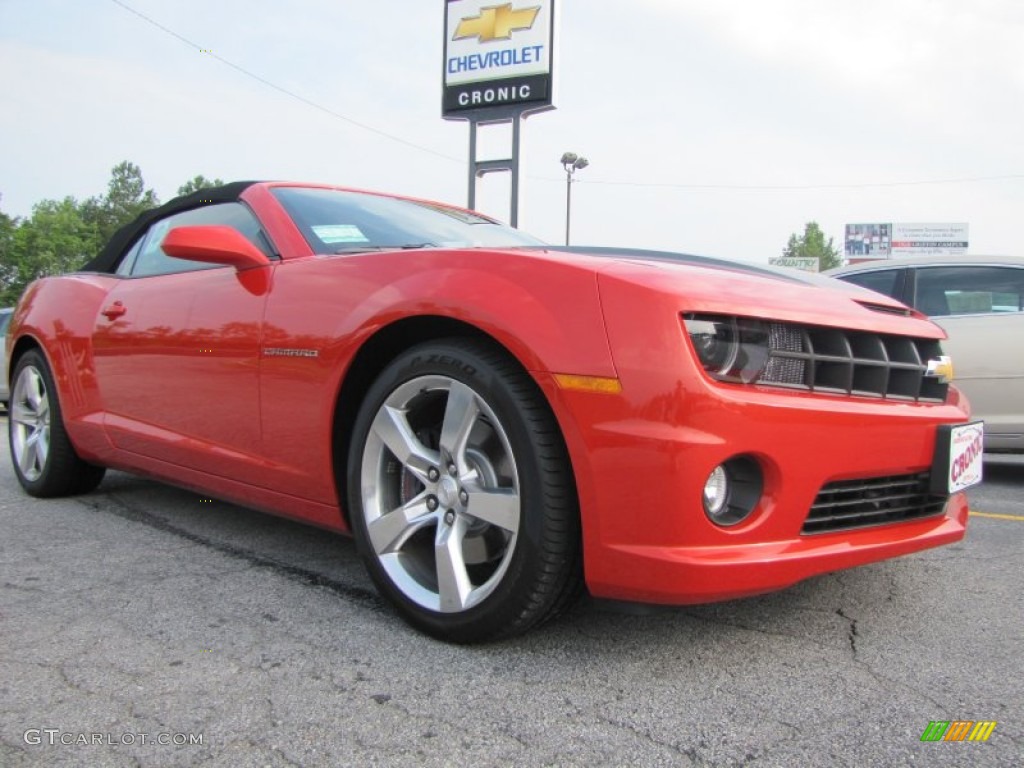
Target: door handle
114, 311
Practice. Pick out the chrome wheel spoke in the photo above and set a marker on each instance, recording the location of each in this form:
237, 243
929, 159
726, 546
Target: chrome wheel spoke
453, 583
392, 427
21, 414
460, 414
389, 532
30, 423
27, 459
42, 447
34, 390
497, 506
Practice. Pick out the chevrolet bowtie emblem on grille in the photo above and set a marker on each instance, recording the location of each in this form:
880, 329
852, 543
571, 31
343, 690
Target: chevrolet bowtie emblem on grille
496, 22
941, 368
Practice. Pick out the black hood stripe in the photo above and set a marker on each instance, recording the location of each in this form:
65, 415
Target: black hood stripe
639, 254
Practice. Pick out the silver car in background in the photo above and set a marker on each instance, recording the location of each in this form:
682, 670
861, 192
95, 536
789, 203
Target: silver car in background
979, 301
5, 320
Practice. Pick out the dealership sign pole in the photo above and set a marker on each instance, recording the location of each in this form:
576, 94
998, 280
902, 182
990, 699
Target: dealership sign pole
498, 68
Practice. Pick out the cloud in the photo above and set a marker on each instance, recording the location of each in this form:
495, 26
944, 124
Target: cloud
669, 92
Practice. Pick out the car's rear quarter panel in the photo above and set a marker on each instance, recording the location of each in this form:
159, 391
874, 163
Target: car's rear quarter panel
989, 365
57, 314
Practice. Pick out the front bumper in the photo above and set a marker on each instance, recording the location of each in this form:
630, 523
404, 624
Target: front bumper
687, 575
641, 459
646, 536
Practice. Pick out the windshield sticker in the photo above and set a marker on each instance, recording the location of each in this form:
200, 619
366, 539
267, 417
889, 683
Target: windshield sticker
339, 233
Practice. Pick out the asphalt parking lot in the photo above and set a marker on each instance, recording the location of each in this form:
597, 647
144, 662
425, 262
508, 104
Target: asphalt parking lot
142, 614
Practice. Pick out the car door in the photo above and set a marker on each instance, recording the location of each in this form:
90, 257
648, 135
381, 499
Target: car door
981, 307
176, 349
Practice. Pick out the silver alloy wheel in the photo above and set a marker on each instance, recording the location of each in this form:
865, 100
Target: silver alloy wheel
30, 423
440, 493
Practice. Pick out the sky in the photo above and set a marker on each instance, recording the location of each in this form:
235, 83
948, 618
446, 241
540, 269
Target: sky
717, 127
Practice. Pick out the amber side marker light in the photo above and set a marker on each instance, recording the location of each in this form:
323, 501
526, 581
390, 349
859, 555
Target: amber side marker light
600, 384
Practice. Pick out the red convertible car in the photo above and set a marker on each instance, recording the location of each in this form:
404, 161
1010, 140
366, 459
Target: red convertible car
496, 421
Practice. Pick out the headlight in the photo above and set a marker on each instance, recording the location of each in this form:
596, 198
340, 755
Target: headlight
730, 348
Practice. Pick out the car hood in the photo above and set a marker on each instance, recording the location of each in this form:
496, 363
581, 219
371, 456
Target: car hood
705, 284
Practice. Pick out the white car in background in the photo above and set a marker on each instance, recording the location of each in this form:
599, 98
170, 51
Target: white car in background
979, 301
5, 320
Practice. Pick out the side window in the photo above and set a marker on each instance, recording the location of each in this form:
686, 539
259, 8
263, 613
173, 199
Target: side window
5, 320
150, 259
128, 260
882, 280
969, 290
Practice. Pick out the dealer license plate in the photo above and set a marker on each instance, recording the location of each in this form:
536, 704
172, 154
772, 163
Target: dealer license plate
958, 457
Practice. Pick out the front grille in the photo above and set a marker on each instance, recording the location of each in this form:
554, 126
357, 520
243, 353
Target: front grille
835, 360
874, 501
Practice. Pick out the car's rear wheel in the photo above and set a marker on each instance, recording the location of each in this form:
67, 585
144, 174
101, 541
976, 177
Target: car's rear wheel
461, 496
44, 460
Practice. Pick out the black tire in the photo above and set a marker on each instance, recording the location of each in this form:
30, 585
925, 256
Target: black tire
449, 571
44, 460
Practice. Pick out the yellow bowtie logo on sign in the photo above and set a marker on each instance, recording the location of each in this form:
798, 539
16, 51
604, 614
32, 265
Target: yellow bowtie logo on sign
496, 22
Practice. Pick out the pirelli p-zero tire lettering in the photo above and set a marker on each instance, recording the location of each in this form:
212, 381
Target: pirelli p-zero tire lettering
44, 460
461, 495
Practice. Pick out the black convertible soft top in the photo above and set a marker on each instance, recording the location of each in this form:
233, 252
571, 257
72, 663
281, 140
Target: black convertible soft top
107, 259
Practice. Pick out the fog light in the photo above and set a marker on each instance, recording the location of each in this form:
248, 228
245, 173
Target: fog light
733, 490
716, 491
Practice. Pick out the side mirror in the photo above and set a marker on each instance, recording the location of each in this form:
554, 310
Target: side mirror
214, 245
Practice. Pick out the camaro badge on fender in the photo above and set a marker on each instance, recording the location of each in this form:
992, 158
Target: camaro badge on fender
284, 352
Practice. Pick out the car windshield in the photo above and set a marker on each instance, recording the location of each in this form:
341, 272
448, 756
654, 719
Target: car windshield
337, 221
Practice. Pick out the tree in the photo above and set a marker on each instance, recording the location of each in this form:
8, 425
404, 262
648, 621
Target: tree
54, 240
197, 183
126, 198
812, 245
61, 235
8, 267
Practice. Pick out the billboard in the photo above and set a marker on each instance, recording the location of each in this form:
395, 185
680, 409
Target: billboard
867, 241
884, 241
497, 55
929, 239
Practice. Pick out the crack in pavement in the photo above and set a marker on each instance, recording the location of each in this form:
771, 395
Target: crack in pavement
852, 631
687, 752
823, 646
122, 509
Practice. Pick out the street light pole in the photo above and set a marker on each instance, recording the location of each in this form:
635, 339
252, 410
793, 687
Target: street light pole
571, 162
568, 203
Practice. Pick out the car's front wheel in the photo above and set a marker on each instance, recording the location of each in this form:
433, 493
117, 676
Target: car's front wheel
44, 460
461, 496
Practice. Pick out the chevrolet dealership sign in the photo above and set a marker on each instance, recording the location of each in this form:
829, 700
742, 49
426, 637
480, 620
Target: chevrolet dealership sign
497, 55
